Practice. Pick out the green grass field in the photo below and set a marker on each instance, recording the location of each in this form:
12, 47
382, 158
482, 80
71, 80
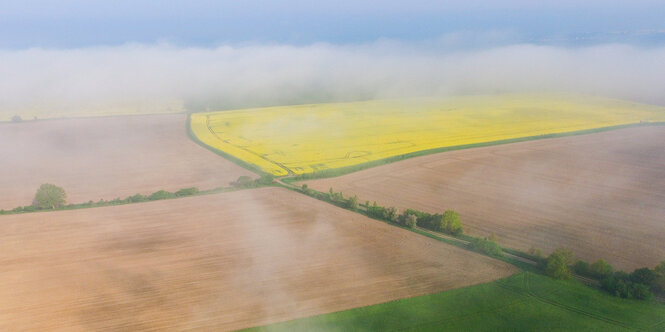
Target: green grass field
523, 302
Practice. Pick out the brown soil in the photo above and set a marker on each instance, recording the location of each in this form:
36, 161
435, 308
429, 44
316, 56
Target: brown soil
108, 157
601, 195
214, 262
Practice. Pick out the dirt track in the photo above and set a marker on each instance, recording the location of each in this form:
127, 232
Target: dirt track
106, 158
602, 195
214, 262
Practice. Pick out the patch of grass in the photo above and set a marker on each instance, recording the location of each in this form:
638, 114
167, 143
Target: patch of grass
522, 302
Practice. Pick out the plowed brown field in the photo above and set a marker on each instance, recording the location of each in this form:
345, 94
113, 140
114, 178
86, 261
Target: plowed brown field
107, 157
601, 195
214, 262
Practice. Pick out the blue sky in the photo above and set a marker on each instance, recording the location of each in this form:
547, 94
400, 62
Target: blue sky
205, 23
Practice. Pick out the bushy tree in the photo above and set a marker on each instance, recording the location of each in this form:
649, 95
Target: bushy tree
244, 181
486, 246
450, 222
410, 220
49, 196
601, 269
640, 291
266, 179
615, 286
660, 269
352, 203
558, 263
643, 276
162, 194
376, 211
626, 285
136, 198
390, 214
187, 192
659, 283
535, 252
16, 118
582, 268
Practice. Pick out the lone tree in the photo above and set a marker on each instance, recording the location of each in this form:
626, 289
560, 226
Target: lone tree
558, 264
49, 196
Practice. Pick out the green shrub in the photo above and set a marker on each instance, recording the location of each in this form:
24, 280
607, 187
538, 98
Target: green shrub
450, 222
601, 269
640, 291
352, 203
376, 211
244, 181
136, 198
410, 221
558, 264
266, 179
486, 246
187, 192
582, 268
643, 276
390, 214
162, 194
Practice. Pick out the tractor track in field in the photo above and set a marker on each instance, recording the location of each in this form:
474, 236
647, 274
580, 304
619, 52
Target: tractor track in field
225, 141
571, 308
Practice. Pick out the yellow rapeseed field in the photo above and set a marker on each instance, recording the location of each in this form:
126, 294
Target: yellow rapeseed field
306, 138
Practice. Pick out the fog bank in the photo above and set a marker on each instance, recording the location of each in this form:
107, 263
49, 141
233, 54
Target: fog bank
160, 78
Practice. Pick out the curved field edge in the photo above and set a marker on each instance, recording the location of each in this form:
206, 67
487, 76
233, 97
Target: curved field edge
524, 302
362, 166
329, 173
305, 139
233, 159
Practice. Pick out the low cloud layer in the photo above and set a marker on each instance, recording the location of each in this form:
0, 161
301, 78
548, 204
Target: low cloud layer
157, 78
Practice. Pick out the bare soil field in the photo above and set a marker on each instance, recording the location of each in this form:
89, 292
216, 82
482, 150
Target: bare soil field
601, 195
214, 262
105, 157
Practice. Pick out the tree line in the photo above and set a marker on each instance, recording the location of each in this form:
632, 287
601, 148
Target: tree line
52, 197
641, 284
447, 222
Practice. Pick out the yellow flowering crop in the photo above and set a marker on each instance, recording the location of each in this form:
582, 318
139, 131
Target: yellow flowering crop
306, 138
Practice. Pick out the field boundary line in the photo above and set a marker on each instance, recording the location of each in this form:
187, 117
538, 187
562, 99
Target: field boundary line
212, 131
251, 167
334, 172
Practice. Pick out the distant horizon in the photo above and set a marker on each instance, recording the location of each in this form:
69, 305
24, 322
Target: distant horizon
202, 23
153, 56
